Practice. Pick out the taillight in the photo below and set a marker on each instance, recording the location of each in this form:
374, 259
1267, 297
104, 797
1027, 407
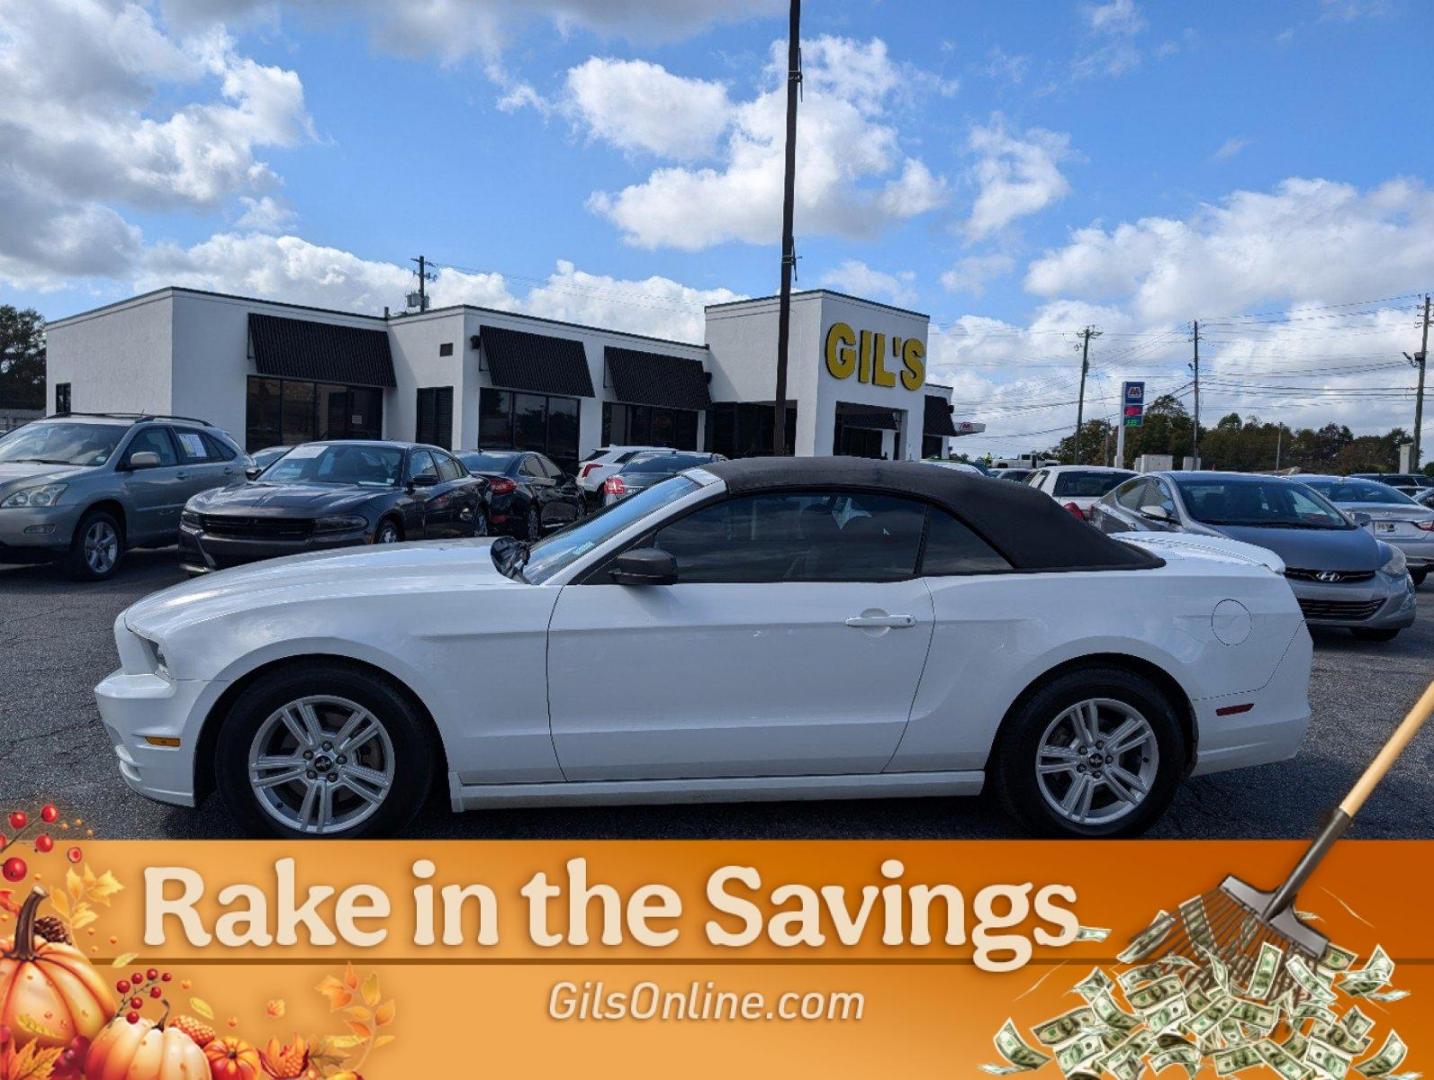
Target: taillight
502, 486
1076, 510
589, 467
614, 486
1425, 526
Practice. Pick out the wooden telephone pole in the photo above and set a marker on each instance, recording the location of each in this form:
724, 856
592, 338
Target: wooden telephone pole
789, 247
1085, 335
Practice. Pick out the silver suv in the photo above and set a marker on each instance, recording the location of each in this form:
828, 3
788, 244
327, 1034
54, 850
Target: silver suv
81, 489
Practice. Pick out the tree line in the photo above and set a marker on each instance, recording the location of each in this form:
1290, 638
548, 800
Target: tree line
22, 358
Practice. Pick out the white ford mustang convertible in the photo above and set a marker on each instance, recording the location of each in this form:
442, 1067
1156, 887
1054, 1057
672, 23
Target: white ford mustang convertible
758, 629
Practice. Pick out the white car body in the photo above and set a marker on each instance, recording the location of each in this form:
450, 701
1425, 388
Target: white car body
1048, 479
603, 462
558, 692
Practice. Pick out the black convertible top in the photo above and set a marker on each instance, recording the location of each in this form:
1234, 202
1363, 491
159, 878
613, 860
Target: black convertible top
1025, 525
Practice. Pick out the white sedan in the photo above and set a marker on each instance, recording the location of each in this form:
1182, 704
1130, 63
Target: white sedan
757, 629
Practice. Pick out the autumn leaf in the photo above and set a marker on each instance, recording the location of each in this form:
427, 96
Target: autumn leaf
383, 1040
337, 993
384, 1014
61, 903
31, 1062
363, 1031
351, 979
84, 915
202, 1007
276, 1008
359, 1013
74, 885
371, 994
123, 959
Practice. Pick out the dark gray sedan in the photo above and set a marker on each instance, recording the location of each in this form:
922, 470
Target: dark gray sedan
1341, 575
653, 467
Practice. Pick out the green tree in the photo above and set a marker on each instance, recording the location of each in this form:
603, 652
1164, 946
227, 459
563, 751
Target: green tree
1097, 440
22, 358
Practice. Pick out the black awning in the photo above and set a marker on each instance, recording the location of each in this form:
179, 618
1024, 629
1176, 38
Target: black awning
320, 352
647, 378
517, 360
867, 416
938, 417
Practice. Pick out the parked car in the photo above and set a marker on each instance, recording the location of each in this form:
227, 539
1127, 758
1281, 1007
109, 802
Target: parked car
646, 469
1406, 483
330, 495
958, 466
1020, 476
807, 628
1342, 575
264, 458
1077, 487
84, 488
602, 463
528, 494
1390, 515
1425, 497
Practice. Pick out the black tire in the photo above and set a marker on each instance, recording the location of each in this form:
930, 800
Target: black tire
1012, 766
480, 521
388, 532
1418, 576
1374, 635
533, 526
78, 562
414, 752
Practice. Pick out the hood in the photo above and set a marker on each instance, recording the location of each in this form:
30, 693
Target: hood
284, 498
34, 470
390, 569
1167, 544
1313, 549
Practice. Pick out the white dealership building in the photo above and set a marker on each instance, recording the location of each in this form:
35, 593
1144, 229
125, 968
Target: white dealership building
463, 377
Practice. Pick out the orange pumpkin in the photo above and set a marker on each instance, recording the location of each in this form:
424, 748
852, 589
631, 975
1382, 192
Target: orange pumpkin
232, 1058
49, 993
144, 1050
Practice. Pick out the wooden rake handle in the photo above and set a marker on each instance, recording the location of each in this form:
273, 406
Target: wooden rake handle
1341, 818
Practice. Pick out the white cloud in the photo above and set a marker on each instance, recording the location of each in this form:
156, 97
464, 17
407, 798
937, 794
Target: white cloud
265, 214
855, 277
1002, 65
1308, 240
1230, 147
1118, 17
293, 270
970, 274
1015, 174
853, 178
1114, 26
636, 105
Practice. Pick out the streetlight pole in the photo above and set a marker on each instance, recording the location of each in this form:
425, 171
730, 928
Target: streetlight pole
789, 249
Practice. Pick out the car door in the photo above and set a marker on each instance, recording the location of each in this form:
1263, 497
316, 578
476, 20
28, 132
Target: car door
423, 519
155, 494
1119, 510
791, 644
540, 487
451, 505
201, 465
565, 499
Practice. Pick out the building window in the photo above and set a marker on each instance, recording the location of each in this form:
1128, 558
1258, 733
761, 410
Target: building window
286, 412
445, 349
435, 416
648, 425
744, 429
547, 424
931, 446
62, 398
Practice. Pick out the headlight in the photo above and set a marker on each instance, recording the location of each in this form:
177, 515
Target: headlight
340, 524
161, 668
190, 518
44, 495
1396, 566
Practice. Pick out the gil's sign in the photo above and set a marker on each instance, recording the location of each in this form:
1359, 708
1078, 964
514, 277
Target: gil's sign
865, 355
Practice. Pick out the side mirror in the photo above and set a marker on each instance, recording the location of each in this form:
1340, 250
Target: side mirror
1155, 513
143, 459
644, 566
253, 471
423, 480
1361, 518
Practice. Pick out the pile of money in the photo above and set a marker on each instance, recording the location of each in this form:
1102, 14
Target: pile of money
1301, 1019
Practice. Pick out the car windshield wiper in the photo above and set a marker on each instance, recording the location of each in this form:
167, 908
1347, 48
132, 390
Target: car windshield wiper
41, 461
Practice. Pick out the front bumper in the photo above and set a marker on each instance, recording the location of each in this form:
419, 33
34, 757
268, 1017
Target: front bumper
201, 553
1382, 603
27, 533
135, 708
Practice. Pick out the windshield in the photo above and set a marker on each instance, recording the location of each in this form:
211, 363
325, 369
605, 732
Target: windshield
57, 442
1090, 484
487, 462
552, 553
664, 463
1273, 504
1359, 491
357, 464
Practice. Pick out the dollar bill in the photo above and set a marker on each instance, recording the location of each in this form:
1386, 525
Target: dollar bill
1208, 1019
1094, 984
1197, 923
1282, 1061
1219, 973
1296, 1044
1197, 998
1336, 959
1340, 1037
1063, 1028
1262, 1017
1092, 933
1236, 1059
1079, 1052
1313, 1010
1355, 1022
1168, 1015
1327, 1059
1112, 1015
1148, 940
1143, 973
1267, 966
1391, 1055
1020, 1056
1151, 996
1186, 1056
1308, 981
1387, 996
1375, 974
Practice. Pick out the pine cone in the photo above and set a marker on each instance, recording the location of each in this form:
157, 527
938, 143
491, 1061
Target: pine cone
52, 929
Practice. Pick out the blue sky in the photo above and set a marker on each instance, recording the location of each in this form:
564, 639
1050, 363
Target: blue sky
1017, 170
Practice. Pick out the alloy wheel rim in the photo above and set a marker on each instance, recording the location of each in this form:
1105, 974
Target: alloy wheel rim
101, 547
388, 535
321, 764
1097, 761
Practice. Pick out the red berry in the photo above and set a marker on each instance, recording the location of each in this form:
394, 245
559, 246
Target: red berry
19, 819
74, 854
136, 1003
44, 844
165, 977
152, 974
132, 1017
122, 986
14, 869
48, 814
155, 991
137, 978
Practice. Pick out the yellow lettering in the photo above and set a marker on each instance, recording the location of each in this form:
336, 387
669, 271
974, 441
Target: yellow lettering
879, 375
864, 373
841, 354
913, 358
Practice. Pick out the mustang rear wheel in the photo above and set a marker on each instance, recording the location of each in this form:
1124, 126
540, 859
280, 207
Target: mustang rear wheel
326, 751
1096, 752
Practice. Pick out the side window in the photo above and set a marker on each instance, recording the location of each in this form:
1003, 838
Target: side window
553, 472
952, 548
154, 440
1160, 492
1038, 480
421, 464
219, 450
1131, 494
448, 469
530, 467
797, 536
192, 448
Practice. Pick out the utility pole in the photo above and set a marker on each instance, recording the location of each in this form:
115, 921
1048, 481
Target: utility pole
1085, 336
1279, 443
1418, 361
1195, 430
789, 247
425, 275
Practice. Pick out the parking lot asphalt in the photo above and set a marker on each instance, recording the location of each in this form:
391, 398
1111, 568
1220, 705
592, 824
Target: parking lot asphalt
56, 644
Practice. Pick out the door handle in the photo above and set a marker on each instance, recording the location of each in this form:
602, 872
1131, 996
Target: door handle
865, 622
181, 476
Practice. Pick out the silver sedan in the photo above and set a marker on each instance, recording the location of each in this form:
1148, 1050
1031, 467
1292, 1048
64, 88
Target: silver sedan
1390, 515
